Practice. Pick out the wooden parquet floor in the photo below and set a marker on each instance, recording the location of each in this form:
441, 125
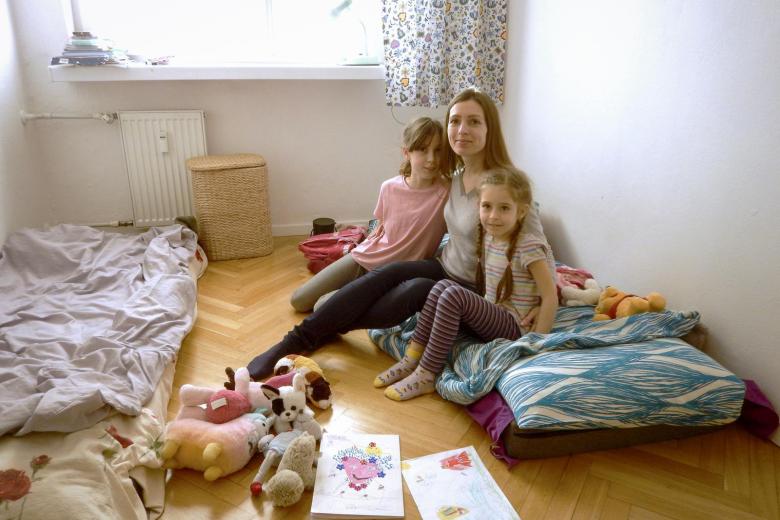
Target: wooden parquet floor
243, 308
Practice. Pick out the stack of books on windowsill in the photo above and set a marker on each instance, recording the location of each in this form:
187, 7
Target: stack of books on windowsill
84, 48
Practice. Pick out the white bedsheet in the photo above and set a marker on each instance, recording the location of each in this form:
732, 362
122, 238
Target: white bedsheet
88, 322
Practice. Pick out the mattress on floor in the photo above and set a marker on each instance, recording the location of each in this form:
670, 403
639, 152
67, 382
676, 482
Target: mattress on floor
573, 401
534, 444
590, 385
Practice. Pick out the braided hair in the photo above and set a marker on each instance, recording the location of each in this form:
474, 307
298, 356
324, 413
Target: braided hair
519, 187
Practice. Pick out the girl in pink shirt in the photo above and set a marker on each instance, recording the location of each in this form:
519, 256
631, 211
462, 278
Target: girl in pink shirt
410, 211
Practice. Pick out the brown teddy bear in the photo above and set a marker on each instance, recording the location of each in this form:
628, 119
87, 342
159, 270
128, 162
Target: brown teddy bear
614, 303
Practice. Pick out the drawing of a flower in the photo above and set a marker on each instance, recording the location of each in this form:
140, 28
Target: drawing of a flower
14, 484
38, 463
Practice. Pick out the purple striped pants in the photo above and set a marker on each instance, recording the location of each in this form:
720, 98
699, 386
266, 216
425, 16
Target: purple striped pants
448, 305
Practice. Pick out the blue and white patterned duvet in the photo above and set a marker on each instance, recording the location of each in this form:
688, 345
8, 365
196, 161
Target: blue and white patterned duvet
618, 373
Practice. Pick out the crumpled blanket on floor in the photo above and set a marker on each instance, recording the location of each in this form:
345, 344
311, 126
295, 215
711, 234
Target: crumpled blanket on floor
88, 322
109, 471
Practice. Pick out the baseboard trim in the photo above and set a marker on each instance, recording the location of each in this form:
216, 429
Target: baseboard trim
286, 230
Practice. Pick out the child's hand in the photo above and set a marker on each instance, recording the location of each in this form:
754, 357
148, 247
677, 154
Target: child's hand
529, 319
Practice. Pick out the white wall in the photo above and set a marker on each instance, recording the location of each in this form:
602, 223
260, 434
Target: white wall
329, 144
24, 199
652, 131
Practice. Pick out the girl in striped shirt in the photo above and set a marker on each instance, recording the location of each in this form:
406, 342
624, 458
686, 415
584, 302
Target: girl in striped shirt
515, 272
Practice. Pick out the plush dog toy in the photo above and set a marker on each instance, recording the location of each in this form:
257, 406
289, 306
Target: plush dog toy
614, 303
571, 295
295, 472
288, 406
317, 387
215, 449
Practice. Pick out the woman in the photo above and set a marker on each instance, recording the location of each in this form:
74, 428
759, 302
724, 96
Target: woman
388, 295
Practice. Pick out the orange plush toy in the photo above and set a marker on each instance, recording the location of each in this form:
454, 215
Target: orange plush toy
614, 303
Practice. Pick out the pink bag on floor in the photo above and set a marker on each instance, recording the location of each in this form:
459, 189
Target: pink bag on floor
322, 250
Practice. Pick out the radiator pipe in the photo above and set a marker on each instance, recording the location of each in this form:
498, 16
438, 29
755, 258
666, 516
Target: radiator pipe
112, 223
108, 117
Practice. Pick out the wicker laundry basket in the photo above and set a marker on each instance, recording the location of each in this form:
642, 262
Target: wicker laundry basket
231, 204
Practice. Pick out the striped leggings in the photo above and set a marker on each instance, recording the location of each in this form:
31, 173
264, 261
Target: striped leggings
448, 305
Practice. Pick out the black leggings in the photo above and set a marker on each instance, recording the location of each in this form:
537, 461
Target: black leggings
380, 298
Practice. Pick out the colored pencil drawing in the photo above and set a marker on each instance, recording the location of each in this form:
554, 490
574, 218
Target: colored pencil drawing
358, 475
455, 484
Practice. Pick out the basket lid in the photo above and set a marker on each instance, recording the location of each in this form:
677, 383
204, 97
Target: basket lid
225, 162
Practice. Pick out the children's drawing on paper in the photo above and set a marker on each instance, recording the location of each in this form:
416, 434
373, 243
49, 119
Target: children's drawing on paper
455, 484
359, 474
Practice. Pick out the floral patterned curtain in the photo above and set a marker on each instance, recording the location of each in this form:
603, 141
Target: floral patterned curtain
436, 48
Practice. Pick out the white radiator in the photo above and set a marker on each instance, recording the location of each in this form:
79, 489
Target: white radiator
156, 145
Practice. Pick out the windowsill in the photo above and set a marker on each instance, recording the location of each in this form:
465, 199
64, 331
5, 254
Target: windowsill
227, 71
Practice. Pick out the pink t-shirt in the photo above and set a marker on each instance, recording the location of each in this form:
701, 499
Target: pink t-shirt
411, 224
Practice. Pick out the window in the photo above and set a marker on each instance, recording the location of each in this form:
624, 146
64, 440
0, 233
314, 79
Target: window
230, 31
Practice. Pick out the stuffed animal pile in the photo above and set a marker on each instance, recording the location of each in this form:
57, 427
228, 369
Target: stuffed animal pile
219, 431
578, 287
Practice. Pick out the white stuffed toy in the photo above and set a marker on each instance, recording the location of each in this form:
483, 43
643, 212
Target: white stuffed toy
573, 295
288, 406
